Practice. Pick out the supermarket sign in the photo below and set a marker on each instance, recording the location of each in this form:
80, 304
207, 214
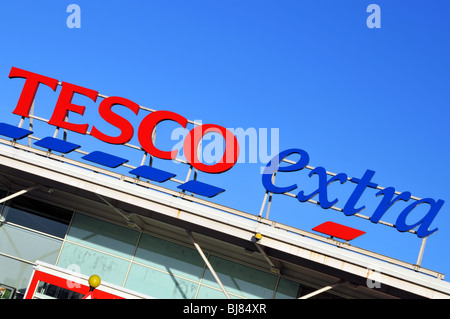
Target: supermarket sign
389, 195
64, 105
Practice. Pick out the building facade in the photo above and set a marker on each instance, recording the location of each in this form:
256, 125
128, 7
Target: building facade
69, 212
159, 245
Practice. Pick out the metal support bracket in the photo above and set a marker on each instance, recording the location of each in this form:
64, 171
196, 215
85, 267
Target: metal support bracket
200, 251
130, 222
16, 194
273, 267
29, 189
321, 290
422, 249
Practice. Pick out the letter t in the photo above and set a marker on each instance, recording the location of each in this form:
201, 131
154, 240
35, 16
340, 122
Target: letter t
349, 208
29, 89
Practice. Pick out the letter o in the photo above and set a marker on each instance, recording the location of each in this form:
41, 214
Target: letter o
229, 157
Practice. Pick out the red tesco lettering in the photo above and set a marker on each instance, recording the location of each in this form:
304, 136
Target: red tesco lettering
64, 105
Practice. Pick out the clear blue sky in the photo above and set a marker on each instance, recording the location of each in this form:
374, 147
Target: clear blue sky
354, 98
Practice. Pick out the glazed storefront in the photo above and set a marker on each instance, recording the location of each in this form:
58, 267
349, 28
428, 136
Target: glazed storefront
32, 230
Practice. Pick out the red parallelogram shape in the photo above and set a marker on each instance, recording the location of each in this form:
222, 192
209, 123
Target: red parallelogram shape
338, 231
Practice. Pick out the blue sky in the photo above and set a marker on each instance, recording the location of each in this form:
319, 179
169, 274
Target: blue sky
353, 97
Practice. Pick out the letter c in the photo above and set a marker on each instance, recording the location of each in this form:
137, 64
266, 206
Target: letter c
147, 127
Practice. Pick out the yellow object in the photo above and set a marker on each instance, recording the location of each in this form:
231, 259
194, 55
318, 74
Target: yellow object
258, 236
94, 281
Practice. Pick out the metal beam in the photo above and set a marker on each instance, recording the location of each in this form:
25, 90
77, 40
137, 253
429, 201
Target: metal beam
422, 249
7, 198
321, 290
273, 268
200, 251
4, 199
130, 222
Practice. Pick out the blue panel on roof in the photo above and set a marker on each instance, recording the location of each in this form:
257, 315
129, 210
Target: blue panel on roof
201, 188
58, 145
13, 131
152, 173
105, 159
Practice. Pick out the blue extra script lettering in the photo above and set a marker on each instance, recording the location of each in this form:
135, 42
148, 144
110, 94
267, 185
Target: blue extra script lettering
351, 207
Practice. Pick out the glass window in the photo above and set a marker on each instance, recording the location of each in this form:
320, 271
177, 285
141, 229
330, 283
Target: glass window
159, 284
15, 274
107, 237
48, 291
241, 280
287, 289
170, 257
211, 293
110, 269
28, 245
38, 215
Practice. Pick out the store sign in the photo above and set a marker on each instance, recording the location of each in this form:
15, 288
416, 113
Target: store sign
64, 105
191, 144
390, 197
